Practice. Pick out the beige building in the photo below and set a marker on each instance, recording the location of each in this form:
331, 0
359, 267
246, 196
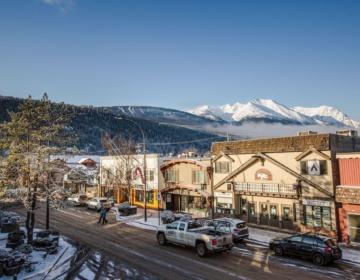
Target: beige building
284, 182
187, 186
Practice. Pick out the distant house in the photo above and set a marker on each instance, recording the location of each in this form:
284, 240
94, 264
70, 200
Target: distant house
81, 173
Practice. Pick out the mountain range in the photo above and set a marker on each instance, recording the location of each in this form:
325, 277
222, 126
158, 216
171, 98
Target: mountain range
256, 111
173, 131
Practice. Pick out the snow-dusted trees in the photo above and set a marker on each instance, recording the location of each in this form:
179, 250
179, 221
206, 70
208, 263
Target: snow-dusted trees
36, 132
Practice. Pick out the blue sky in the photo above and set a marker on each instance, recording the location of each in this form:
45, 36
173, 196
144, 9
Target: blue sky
182, 54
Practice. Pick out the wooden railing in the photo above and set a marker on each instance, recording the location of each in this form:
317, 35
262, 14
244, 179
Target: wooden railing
266, 188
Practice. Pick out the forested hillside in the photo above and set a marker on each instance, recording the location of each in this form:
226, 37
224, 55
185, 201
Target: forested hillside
91, 123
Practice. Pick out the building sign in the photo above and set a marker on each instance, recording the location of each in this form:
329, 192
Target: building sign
316, 202
263, 174
313, 167
223, 194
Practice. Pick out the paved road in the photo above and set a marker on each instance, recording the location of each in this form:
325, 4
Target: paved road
119, 251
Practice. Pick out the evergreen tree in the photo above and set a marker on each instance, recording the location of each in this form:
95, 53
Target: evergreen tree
36, 132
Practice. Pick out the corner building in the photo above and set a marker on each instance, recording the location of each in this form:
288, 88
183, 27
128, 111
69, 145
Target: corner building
286, 183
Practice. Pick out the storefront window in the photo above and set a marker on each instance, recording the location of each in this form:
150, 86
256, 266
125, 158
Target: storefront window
139, 196
264, 211
244, 206
273, 212
150, 197
317, 216
223, 202
252, 209
197, 202
286, 213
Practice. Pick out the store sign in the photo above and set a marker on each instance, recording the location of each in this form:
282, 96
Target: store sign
316, 202
263, 174
313, 167
223, 194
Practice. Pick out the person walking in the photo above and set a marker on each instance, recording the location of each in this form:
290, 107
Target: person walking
103, 216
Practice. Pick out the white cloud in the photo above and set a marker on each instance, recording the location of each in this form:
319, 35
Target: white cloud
63, 5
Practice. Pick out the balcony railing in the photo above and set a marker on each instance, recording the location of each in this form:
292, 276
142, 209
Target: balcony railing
287, 189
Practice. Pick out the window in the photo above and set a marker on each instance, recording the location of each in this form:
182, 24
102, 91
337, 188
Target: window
308, 240
222, 167
172, 175
199, 177
296, 238
182, 226
317, 216
139, 196
150, 175
314, 167
150, 197
173, 225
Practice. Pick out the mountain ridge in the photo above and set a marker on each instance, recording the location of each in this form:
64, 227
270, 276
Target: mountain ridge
258, 110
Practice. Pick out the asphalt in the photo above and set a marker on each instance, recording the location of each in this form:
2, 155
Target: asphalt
257, 235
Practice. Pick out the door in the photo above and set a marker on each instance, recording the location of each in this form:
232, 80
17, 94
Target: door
171, 231
274, 217
264, 214
252, 213
287, 222
180, 235
176, 198
169, 202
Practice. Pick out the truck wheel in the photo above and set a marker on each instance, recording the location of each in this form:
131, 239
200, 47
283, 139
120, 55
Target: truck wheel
161, 239
201, 250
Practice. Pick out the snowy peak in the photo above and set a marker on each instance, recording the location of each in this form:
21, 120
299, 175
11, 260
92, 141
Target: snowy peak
266, 110
328, 116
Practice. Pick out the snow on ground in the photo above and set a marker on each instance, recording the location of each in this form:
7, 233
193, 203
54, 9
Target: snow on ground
45, 267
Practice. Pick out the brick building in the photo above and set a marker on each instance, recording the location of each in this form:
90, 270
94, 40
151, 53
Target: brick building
348, 197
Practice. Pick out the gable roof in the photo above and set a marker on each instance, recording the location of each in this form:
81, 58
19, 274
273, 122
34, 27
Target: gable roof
262, 157
309, 151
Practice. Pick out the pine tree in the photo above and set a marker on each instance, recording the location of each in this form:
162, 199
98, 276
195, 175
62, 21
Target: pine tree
36, 132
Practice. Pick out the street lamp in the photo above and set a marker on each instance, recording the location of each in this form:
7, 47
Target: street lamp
144, 164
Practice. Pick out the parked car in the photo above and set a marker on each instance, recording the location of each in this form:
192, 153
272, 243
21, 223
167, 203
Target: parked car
97, 203
239, 228
320, 248
78, 199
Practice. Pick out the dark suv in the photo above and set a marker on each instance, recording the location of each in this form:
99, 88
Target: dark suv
320, 248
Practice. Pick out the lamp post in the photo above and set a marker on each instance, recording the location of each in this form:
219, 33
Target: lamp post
144, 163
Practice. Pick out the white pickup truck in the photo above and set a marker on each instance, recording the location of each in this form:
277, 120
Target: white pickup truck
191, 233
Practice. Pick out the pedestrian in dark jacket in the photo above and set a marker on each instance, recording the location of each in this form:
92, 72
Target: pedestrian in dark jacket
103, 216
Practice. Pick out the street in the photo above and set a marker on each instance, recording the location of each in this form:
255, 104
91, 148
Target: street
120, 251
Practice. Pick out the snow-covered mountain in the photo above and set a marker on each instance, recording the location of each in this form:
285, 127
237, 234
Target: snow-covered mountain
269, 111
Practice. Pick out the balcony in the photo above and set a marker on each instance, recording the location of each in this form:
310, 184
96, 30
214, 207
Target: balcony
276, 190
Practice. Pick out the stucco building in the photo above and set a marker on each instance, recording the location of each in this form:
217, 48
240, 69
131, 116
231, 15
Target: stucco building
286, 182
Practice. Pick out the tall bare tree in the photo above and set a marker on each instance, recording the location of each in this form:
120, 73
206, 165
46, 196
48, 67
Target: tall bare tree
36, 132
122, 173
